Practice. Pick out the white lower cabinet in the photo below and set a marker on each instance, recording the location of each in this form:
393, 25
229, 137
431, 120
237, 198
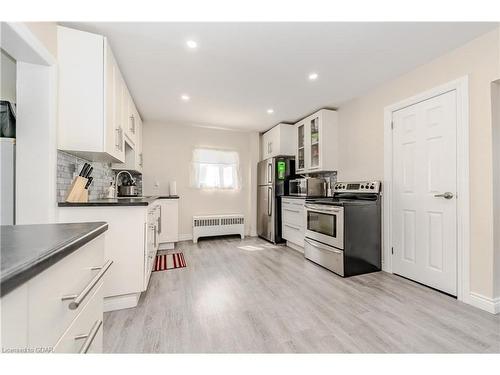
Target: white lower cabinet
85, 333
132, 241
169, 228
37, 316
293, 221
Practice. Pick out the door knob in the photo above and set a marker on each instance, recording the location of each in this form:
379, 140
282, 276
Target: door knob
447, 195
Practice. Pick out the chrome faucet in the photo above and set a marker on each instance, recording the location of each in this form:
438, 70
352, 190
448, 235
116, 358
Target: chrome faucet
116, 180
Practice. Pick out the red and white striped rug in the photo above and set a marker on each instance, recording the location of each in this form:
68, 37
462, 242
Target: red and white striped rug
169, 261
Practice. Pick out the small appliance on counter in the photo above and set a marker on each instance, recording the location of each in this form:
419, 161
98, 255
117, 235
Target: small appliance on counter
128, 187
308, 187
344, 233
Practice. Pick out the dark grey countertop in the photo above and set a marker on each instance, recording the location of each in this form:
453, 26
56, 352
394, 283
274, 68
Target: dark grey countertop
27, 250
142, 201
293, 196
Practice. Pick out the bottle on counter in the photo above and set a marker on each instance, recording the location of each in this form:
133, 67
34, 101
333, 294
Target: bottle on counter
111, 190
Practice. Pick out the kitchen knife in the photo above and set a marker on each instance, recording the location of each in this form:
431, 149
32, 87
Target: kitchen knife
83, 170
87, 175
89, 182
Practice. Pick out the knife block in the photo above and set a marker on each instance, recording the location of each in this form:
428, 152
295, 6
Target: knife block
77, 192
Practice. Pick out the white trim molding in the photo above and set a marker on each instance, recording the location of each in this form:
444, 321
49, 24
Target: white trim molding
125, 301
492, 305
186, 237
461, 86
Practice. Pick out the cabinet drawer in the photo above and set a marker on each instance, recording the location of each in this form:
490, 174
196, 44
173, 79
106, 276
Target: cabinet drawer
50, 315
86, 329
293, 234
293, 213
293, 216
295, 203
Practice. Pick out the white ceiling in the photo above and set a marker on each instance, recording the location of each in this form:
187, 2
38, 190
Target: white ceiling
239, 70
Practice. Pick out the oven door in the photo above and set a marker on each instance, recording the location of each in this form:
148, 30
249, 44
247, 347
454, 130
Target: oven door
325, 223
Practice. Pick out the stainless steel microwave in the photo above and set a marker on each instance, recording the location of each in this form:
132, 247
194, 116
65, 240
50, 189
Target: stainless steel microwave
307, 187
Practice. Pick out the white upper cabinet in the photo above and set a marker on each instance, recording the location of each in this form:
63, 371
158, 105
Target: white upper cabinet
317, 138
97, 116
278, 141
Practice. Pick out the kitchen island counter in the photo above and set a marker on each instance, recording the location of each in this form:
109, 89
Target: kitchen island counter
27, 250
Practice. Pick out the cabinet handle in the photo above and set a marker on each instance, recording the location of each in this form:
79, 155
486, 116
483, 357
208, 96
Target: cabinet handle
288, 209
140, 159
291, 226
89, 337
121, 139
117, 138
78, 299
132, 124
156, 239
159, 221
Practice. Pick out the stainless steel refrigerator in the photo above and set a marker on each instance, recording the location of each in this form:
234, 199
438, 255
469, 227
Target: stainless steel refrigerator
273, 175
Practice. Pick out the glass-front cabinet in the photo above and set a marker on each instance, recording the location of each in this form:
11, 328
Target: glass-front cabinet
301, 153
314, 126
317, 147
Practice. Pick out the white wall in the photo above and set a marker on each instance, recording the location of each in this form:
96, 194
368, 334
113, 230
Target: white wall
8, 77
362, 143
167, 153
36, 125
495, 110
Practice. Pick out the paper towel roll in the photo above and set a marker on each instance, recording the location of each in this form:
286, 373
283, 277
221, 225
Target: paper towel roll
173, 188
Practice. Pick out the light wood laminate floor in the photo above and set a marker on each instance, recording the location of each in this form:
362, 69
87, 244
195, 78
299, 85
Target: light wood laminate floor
270, 299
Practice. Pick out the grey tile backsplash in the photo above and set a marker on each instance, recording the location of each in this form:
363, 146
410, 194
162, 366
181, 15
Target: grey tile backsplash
68, 166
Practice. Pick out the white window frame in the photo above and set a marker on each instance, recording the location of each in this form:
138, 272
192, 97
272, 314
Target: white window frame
195, 166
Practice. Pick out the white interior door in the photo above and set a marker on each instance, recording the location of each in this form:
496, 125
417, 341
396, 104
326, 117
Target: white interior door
424, 214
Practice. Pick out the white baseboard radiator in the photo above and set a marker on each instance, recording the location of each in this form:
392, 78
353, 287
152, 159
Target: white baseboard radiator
218, 225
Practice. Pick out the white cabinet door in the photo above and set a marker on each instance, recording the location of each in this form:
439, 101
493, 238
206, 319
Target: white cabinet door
316, 142
111, 134
138, 142
300, 157
425, 221
169, 220
86, 332
293, 220
128, 117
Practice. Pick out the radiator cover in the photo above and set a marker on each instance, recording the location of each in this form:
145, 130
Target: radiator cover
218, 225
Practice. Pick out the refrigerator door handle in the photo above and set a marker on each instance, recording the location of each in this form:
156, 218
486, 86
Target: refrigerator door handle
269, 172
269, 201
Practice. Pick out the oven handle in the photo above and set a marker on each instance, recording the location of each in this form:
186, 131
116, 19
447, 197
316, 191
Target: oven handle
322, 208
333, 250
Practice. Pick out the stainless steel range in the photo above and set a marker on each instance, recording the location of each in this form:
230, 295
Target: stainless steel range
343, 233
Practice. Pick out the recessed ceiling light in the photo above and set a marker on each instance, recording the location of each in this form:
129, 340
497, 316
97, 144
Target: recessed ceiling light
191, 44
185, 97
270, 111
313, 76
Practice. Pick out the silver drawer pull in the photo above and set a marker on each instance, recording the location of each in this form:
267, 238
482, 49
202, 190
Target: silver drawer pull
322, 208
289, 209
291, 226
89, 337
78, 299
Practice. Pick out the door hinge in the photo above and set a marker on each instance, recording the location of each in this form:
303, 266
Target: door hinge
392, 125
392, 250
